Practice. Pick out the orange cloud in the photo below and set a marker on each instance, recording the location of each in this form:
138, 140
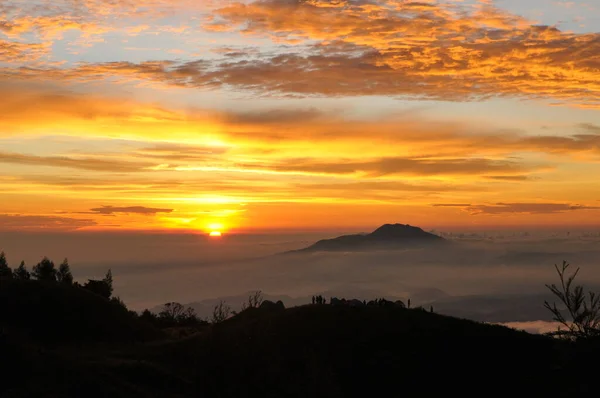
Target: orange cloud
427, 50
271, 140
33, 27
114, 151
443, 51
16, 52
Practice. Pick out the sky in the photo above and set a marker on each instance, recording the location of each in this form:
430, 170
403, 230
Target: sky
277, 115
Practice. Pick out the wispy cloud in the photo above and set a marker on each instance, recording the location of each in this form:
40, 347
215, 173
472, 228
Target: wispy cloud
519, 208
268, 129
83, 163
110, 210
397, 165
37, 222
430, 50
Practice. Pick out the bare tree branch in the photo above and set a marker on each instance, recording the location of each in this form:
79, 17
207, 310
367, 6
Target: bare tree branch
583, 310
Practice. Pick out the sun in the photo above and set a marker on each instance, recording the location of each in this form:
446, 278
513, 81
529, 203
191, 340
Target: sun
215, 230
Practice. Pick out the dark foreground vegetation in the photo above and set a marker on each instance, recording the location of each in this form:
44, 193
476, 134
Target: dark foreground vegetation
62, 340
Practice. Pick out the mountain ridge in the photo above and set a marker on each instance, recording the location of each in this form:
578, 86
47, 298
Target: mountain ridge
388, 236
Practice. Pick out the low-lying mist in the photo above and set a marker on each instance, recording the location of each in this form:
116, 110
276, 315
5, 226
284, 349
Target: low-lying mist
493, 280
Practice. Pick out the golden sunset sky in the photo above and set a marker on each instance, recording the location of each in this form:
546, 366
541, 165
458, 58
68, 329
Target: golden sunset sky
298, 114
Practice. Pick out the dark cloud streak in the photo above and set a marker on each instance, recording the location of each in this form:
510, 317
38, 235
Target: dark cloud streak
519, 208
110, 210
396, 165
42, 222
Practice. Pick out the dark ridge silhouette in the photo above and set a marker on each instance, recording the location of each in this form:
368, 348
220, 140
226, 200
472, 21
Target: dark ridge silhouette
57, 313
388, 237
63, 341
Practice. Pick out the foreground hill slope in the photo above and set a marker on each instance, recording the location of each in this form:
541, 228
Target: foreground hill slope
53, 313
314, 350
325, 350
388, 236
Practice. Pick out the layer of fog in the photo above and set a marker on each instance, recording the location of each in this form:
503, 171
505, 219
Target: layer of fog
499, 280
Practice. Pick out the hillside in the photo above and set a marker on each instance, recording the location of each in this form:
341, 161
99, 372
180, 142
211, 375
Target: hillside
55, 313
388, 237
357, 352
314, 350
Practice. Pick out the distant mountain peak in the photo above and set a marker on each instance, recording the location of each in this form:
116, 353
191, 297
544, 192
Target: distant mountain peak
397, 231
388, 236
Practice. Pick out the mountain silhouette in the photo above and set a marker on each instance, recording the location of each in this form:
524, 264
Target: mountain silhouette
388, 236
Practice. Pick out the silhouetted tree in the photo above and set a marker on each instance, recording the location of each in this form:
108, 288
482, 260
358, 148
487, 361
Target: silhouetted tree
45, 271
583, 309
5, 271
108, 279
171, 312
64, 273
221, 312
21, 272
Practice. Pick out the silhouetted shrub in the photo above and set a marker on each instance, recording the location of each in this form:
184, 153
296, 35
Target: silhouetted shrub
101, 287
118, 302
271, 306
98, 287
189, 318
582, 308
221, 312
45, 271
254, 300
172, 315
149, 316
5, 271
21, 272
